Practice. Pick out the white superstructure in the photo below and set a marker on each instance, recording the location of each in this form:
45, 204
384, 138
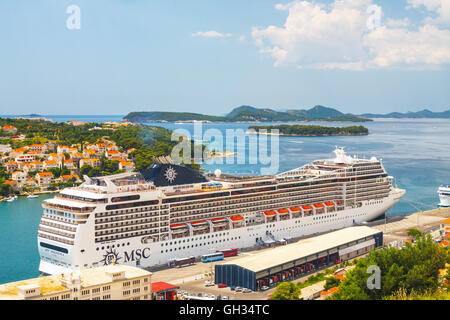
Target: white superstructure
173, 212
444, 195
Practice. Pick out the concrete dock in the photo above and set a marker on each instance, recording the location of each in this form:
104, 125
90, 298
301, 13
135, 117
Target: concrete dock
396, 228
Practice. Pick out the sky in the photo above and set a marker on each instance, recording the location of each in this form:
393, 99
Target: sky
210, 56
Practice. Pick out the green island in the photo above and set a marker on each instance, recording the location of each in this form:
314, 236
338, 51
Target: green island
417, 271
249, 114
309, 131
41, 156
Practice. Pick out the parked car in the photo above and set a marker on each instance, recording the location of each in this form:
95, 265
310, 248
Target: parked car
219, 297
264, 288
209, 284
222, 285
239, 289
246, 290
200, 295
232, 288
225, 298
205, 295
212, 296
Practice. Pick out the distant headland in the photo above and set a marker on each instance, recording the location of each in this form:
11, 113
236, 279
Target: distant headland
248, 114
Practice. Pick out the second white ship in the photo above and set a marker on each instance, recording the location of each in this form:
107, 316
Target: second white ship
171, 211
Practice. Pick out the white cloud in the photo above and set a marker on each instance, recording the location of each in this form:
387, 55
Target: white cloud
398, 23
440, 7
211, 34
338, 37
401, 48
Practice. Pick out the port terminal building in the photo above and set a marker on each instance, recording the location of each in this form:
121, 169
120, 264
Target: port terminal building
292, 261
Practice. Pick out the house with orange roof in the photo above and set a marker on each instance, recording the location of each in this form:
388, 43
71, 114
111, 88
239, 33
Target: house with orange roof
77, 123
90, 162
112, 147
38, 147
10, 129
113, 154
90, 153
55, 156
12, 183
128, 166
45, 179
69, 164
69, 177
18, 152
62, 149
37, 165
76, 156
30, 183
329, 292
48, 164
19, 176
12, 166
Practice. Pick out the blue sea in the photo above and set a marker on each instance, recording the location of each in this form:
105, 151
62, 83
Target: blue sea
414, 151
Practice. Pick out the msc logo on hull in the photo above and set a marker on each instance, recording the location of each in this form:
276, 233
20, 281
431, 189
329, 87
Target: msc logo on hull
111, 256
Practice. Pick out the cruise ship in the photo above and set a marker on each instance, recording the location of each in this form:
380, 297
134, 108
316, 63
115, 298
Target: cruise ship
171, 211
444, 195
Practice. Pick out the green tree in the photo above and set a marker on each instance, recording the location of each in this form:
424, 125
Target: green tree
414, 268
286, 291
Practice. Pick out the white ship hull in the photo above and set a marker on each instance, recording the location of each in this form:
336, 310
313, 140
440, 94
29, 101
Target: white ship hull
132, 251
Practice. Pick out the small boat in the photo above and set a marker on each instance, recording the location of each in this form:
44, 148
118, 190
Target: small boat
10, 199
32, 196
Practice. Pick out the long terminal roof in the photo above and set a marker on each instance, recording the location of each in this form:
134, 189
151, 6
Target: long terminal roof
301, 249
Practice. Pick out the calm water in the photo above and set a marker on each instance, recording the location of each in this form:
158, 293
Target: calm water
415, 152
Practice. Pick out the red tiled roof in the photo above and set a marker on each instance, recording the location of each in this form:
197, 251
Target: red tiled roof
163, 286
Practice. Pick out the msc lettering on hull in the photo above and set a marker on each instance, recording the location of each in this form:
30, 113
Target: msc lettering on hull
136, 254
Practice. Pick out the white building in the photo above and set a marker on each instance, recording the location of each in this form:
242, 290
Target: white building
112, 282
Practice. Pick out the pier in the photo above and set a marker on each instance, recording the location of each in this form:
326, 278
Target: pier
396, 228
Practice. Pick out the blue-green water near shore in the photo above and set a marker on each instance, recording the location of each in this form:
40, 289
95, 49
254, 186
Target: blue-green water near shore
415, 152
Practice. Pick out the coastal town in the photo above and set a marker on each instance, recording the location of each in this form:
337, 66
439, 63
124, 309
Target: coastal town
48, 167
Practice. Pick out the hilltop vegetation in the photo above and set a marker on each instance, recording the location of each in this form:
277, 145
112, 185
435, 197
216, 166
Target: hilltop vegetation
302, 130
249, 114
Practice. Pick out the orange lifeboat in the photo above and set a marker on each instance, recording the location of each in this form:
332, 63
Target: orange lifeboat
236, 218
178, 228
318, 205
329, 204
198, 223
295, 209
283, 211
218, 220
270, 213
307, 207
